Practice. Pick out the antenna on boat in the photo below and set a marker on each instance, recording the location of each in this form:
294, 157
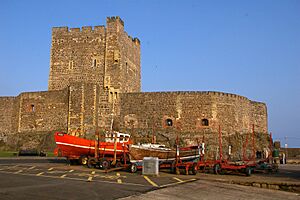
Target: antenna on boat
112, 122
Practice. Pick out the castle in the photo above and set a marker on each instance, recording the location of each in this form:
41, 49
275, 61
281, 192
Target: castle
95, 83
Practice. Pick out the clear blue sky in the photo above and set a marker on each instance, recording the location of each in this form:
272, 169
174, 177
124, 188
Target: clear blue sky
251, 48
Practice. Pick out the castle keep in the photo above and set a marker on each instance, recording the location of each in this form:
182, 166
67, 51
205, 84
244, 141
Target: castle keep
95, 83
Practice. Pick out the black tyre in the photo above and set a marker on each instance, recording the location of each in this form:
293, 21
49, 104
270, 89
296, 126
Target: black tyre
118, 164
92, 162
104, 164
133, 168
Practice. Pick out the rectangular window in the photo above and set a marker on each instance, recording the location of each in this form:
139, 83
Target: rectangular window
94, 62
71, 64
32, 108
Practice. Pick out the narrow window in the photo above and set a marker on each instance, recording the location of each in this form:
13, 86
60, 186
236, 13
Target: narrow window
32, 108
169, 122
71, 64
116, 56
204, 122
94, 63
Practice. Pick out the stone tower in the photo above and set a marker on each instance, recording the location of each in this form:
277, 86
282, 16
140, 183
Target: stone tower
95, 64
106, 56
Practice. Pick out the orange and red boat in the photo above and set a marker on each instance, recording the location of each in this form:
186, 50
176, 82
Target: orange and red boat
73, 147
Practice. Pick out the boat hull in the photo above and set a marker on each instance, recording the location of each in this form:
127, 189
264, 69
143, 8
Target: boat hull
137, 154
74, 147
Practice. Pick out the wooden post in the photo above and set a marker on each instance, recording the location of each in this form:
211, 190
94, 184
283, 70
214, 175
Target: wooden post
97, 143
115, 150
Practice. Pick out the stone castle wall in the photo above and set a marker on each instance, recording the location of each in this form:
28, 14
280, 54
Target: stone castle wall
7, 105
194, 115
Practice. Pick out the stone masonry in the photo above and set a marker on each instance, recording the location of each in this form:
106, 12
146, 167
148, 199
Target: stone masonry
95, 83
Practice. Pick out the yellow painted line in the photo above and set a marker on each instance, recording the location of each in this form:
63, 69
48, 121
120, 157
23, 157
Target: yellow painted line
71, 170
40, 173
18, 171
90, 179
50, 169
32, 167
93, 172
119, 180
63, 176
150, 181
78, 179
177, 179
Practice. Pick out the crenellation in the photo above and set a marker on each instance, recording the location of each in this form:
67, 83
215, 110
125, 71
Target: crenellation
74, 30
115, 19
87, 29
63, 29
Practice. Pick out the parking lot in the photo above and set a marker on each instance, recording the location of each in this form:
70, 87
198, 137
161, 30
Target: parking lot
35, 178
59, 180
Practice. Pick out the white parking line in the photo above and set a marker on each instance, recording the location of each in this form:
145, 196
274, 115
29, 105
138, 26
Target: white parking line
50, 169
31, 167
71, 170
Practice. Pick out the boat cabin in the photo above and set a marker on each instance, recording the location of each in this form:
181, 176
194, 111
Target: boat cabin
121, 137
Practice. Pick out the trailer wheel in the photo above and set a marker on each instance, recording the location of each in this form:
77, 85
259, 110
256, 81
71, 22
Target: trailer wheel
83, 160
118, 164
217, 169
133, 168
194, 169
248, 171
91, 163
104, 164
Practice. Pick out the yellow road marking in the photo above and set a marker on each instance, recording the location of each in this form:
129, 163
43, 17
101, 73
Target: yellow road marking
50, 169
90, 178
18, 171
40, 173
93, 172
63, 176
150, 181
32, 167
177, 179
119, 180
71, 170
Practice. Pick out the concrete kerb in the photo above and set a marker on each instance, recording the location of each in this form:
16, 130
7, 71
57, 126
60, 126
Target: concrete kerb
284, 186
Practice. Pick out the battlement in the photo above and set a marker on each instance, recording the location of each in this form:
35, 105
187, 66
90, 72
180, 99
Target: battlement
211, 93
114, 19
83, 29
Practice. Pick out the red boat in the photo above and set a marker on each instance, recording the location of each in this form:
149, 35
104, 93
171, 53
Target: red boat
74, 148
